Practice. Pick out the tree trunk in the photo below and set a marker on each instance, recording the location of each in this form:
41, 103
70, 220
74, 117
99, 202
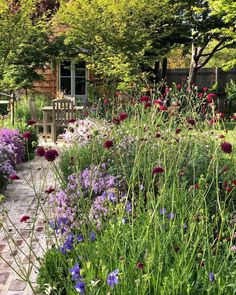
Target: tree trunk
164, 68
156, 71
193, 66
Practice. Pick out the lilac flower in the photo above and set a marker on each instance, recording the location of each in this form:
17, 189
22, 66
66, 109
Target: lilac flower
80, 238
162, 211
75, 271
112, 278
112, 197
128, 207
92, 236
80, 287
211, 277
171, 216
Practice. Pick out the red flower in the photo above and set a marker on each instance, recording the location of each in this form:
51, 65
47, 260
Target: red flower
24, 218
27, 135
221, 136
108, 144
196, 186
177, 131
49, 190
179, 86
106, 101
31, 122
210, 97
140, 265
144, 98
204, 89
40, 151
116, 121
158, 102
123, 116
14, 177
226, 147
51, 155
158, 135
147, 105
225, 169
191, 121
200, 95
234, 182
163, 108
158, 170
72, 121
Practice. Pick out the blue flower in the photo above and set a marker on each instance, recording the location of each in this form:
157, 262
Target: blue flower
112, 278
112, 197
211, 277
75, 271
80, 238
92, 236
171, 216
68, 244
128, 207
80, 287
162, 211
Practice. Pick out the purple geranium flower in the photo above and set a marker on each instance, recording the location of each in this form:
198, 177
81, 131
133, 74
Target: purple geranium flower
80, 287
75, 271
112, 278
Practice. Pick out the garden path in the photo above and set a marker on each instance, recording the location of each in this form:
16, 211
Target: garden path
24, 197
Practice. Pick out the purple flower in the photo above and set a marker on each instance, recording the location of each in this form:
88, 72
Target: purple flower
80, 287
171, 216
112, 278
80, 238
112, 197
128, 207
162, 211
68, 244
75, 271
92, 236
211, 277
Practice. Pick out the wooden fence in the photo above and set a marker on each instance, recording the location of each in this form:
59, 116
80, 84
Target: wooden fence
205, 78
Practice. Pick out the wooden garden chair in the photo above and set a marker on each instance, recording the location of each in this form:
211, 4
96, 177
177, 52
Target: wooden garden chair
62, 113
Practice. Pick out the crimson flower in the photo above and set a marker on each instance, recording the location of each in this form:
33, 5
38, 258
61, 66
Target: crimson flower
204, 89
106, 101
31, 122
158, 170
177, 131
40, 151
234, 182
116, 121
27, 135
179, 86
163, 108
158, 102
72, 120
147, 105
14, 177
200, 95
144, 98
108, 144
210, 97
226, 147
51, 155
140, 265
221, 136
123, 116
24, 218
158, 135
191, 121
49, 190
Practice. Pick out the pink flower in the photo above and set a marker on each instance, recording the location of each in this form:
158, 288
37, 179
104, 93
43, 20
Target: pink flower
200, 95
27, 135
163, 108
123, 116
108, 144
226, 147
204, 89
233, 248
178, 86
158, 170
106, 101
210, 97
144, 98
140, 265
14, 177
40, 151
51, 155
24, 218
158, 102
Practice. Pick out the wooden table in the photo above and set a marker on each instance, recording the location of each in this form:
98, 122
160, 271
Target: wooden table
47, 115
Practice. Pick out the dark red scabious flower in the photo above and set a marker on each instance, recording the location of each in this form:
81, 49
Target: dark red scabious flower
200, 95
227, 187
191, 121
144, 98
72, 120
106, 101
204, 89
177, 131
234, 182
50, 190
27, 135
31, 122
116, 121
167, 90
51, 155
40, 151
210, 97
179, 86
108, 144
14, 177
158, 170
196, 186
163, 108
147, 105
158, 102
226, 147
221, 136
225, 169
140, 265
123, 116
158, 135
24, 218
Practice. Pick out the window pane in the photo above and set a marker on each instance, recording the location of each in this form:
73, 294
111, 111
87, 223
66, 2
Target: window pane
66, 85
80, 72
80, 64
65, 68
80, 86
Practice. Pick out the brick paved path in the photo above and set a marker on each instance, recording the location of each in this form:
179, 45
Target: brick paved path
20, 200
